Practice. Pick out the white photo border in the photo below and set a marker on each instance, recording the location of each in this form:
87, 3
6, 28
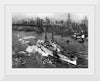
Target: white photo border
95, 77
48, 71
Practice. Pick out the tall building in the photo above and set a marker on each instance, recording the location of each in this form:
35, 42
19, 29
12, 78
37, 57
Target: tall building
85, 21
69, 17
69, 20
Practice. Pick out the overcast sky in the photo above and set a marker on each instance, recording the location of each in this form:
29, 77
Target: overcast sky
56, 16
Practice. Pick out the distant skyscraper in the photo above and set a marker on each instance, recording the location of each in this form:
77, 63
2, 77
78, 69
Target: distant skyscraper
85, 21
69, 20
69, 17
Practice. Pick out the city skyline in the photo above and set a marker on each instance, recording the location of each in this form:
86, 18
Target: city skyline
52, 16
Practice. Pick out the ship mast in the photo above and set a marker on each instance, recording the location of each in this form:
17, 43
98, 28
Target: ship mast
45, 34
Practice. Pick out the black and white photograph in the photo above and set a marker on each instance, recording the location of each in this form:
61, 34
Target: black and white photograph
49, 40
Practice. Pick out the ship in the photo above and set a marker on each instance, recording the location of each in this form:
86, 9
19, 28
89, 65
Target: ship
51, 51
